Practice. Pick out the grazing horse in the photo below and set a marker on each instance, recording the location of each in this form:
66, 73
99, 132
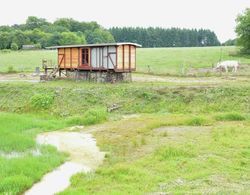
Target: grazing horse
228, 64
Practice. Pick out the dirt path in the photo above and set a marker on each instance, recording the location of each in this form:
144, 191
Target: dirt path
84, 156
20, 77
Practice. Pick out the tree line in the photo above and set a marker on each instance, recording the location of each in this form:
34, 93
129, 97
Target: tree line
161, 37
64, 31
40, 32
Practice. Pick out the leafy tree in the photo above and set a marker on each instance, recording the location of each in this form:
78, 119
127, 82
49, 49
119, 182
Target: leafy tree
243, 30
99, 36
68, 38
20, 38
33, 22
5, 40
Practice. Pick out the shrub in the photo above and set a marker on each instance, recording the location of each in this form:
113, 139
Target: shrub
11, 69
90, 117
38, 46
230, 117
14, 46
197, 121
41, 101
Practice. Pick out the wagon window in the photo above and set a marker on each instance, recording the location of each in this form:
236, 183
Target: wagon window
85, 56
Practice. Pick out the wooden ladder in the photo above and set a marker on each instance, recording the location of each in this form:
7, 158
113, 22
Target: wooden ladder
53, 73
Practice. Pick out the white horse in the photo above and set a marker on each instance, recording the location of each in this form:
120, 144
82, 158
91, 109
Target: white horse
228, 64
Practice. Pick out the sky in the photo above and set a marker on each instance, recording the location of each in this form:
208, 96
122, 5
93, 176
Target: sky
216, 15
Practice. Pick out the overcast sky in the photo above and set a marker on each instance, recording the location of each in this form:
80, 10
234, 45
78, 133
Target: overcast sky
217, 15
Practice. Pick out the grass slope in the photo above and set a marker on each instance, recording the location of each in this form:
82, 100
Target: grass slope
68, 98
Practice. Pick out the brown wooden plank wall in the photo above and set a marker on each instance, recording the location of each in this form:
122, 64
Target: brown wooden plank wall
126, 57
68, 57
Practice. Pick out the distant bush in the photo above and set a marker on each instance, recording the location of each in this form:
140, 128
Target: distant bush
14, 46
38, 46
41, 101
90, 117
230, 117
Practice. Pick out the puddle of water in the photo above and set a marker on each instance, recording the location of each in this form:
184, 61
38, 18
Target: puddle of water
57, 180
83, 153
80, 146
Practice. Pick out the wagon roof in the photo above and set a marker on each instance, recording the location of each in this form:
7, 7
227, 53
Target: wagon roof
94, 45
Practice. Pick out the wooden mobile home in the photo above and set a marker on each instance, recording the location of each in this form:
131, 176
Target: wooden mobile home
116, 57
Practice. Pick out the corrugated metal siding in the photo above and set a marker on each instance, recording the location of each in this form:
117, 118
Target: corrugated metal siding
112, 57
103, 57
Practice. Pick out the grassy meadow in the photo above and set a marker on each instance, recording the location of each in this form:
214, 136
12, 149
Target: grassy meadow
164, 61
181, 139
166, 136
24, 61
178, 61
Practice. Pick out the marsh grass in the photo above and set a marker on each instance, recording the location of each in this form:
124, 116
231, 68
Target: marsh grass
17, 134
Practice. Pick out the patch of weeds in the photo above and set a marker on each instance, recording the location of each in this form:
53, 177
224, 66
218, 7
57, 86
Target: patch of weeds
165, 134
14, 184
147, 95
41, 101
143, 140
230, 117
90, 117
167, 153
197, 121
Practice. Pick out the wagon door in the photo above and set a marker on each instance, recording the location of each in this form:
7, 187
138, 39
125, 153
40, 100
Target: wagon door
111, 57
85, 58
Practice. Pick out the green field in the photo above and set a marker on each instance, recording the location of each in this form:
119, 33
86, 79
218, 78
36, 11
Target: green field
168, 61
24, 61
180, 135
172, 61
